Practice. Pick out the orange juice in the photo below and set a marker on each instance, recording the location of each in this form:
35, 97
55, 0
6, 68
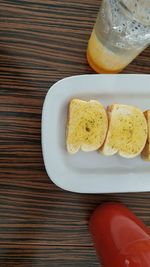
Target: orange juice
121, 32
103, 60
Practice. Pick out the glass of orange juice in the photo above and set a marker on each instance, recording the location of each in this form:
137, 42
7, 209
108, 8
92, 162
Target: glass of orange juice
121, 32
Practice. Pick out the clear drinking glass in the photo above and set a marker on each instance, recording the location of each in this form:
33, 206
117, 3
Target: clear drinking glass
121, 32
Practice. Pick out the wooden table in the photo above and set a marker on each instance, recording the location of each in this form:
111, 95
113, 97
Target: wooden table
40, 224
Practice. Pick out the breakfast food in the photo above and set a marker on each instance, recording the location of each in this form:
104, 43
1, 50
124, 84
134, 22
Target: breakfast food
146, 150
87, 125
127, 131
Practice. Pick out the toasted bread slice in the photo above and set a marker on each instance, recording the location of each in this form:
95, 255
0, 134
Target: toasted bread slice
87, 125
127, 131
146, 150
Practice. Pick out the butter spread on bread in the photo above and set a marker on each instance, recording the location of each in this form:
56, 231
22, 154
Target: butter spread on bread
127, 131
87, 125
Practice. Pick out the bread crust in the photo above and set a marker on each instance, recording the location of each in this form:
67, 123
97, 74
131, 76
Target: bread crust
146, 151
127, 131
87, 126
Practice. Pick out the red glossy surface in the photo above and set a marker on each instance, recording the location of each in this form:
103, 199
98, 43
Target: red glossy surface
120, 238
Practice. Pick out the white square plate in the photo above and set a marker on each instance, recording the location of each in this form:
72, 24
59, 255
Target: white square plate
92, 172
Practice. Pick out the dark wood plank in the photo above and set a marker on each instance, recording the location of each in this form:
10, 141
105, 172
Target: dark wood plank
41, 225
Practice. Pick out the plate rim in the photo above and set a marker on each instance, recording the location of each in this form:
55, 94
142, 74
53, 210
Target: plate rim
52, 91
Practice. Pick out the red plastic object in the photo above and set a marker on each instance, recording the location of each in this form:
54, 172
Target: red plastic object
120, 238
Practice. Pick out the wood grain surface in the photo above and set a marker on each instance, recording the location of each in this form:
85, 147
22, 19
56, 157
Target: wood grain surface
40, 224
